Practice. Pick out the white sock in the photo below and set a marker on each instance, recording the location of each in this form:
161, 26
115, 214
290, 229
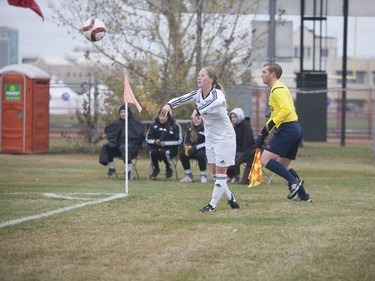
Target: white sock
129, 167
220, 188
111, 165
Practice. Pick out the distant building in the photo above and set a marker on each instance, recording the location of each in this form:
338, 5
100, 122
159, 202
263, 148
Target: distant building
9, 43
63, 70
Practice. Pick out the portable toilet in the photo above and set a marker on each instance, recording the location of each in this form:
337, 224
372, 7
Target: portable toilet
24, 102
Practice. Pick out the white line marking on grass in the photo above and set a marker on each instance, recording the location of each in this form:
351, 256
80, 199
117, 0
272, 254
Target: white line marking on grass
54, 195
61, 210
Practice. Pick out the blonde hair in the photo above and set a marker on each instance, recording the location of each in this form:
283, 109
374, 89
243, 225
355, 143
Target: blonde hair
212, 74
194, 131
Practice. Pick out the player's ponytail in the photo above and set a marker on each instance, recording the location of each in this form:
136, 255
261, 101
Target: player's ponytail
212, 74
219, 86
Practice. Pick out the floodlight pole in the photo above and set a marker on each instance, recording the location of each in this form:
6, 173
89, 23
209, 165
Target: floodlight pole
272, 31
344, 71
199, 34
302, 36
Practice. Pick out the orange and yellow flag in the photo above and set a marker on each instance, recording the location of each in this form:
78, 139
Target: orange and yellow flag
255, 175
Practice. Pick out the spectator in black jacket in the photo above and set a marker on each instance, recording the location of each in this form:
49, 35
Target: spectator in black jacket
245, 147
194, 148
164, 136
115, 147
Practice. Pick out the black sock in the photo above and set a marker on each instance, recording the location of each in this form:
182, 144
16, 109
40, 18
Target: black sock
280, 170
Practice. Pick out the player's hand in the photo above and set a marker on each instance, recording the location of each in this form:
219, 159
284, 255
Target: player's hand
194, 115
265, 131
165, 110
186, 149
260, 140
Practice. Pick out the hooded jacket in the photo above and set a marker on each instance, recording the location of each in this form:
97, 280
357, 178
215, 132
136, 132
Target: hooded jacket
244, 132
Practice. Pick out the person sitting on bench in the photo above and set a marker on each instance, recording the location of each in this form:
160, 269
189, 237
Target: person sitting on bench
115, 133
164, 136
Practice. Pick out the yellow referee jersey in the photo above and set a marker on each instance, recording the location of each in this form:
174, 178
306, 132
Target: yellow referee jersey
281, 105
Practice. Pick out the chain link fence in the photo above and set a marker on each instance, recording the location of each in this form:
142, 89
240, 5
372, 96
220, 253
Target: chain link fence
253, 100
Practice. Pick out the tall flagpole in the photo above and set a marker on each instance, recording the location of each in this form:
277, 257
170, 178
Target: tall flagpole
126, 149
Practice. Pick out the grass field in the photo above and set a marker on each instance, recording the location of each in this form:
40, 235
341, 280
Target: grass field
157, 233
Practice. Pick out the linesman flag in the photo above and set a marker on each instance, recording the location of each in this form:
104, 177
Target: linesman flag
255, 175
129, 96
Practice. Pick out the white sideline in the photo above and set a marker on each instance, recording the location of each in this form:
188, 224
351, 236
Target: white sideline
61, 210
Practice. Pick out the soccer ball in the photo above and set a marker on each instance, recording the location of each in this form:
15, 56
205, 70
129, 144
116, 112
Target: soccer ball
94, 30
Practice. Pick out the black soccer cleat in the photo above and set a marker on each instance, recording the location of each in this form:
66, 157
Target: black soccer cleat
233, 203
306, 199
294, 188
207, 208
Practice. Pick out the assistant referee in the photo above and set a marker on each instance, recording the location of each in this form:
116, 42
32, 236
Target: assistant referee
287, 133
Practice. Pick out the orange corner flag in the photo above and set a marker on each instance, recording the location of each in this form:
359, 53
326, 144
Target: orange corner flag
129, 96
255, 175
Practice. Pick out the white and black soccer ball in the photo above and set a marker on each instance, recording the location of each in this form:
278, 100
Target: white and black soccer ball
94, 30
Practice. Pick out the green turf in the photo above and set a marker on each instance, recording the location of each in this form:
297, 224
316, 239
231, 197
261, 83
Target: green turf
156, 233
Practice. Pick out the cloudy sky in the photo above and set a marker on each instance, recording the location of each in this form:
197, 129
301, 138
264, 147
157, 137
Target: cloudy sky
38, 37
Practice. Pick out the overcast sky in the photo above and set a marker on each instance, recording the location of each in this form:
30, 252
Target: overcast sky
38, 37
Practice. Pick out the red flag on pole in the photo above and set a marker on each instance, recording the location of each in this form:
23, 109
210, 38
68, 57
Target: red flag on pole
129, 96
27, 4
255, 175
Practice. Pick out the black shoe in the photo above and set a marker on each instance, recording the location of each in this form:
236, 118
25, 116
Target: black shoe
294, 188
154, 175
111, 172
169, 173
233, 203
207, 208
130, 176
307, 199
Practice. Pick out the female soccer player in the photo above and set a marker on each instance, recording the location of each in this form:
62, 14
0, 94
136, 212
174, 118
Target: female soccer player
219, 132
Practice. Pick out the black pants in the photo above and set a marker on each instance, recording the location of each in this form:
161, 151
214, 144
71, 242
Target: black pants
108, 153
162, 154
247, 169
200, 155
235, 170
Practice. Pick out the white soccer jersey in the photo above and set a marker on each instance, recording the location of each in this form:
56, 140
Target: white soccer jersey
213, 111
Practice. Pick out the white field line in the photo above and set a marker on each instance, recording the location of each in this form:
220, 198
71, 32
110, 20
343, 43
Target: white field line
61, 210
53, 195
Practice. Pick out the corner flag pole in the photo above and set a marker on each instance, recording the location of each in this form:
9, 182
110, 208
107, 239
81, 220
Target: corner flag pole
128, 98
126, 149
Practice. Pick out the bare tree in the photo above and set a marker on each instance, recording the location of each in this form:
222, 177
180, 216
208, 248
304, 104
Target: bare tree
162, 43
